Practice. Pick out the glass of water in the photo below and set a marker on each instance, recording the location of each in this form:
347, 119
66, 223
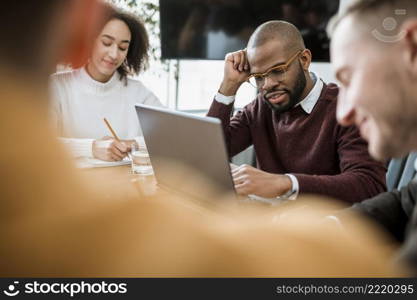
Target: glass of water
141, 164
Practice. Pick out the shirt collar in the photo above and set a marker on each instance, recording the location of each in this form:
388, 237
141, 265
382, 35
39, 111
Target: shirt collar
311, 99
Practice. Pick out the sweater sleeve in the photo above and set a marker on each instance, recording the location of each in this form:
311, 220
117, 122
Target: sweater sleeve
360, 176
236, 128
78, 147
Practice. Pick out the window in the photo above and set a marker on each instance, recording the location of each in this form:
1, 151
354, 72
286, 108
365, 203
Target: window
198, 82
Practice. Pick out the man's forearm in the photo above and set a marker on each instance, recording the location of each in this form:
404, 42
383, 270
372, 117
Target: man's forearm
229, 88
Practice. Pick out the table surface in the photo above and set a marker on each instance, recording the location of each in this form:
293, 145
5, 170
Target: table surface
120, 183
121, 180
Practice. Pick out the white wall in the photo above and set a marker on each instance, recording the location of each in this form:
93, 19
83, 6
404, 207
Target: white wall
324, 71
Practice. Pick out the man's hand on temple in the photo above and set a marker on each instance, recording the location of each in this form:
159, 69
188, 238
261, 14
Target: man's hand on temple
236, 71
249, 180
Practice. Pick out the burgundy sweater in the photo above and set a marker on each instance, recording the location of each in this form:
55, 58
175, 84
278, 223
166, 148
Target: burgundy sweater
326, 158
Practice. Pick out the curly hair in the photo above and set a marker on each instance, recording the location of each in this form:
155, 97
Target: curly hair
137, 55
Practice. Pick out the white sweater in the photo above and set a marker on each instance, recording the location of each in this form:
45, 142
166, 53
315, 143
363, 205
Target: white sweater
79, 104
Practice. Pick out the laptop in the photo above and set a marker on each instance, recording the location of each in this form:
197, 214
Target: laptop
188, 153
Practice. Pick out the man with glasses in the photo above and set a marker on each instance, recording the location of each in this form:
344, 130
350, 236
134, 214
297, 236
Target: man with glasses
292, 124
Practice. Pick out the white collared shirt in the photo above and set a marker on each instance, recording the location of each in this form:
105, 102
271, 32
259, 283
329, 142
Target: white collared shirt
311, 99
307, 105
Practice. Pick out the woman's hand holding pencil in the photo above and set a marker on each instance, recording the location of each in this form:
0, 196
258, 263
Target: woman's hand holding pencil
111, 148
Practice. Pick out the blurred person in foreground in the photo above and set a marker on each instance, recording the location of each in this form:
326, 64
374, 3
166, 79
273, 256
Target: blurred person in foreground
300, 148
103, 88
52, 223
374, 56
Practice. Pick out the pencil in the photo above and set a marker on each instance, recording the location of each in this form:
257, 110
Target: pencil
114, 134
111, 130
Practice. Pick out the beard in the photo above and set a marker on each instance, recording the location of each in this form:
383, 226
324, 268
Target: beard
294, 94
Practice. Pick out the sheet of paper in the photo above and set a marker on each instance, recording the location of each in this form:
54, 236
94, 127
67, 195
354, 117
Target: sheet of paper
97, 163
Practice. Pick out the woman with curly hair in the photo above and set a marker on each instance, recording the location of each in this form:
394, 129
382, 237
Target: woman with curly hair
101, 88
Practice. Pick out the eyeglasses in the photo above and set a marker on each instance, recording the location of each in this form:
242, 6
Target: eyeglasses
277, 73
